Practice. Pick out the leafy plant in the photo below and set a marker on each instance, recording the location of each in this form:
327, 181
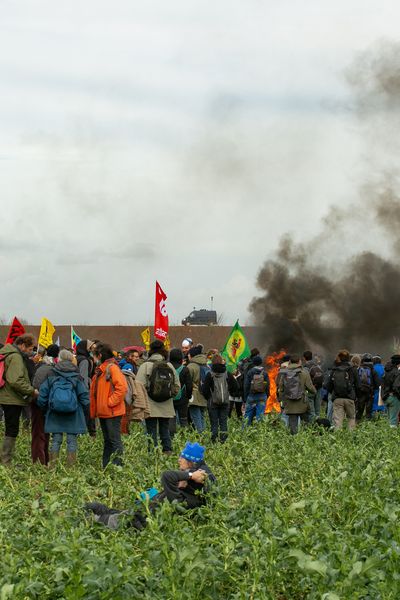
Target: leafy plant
292, 517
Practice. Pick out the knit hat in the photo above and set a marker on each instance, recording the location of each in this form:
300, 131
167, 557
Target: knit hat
89, 344
176, 355
156, 345
395, 359
193, 452
53, 350
257, 360
195, 351
187, 342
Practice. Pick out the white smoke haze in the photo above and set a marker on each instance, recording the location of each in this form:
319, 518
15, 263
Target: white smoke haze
175, 142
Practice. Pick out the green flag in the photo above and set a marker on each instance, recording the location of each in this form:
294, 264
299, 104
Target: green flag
236, 348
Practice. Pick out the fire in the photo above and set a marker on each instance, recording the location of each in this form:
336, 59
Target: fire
272, 364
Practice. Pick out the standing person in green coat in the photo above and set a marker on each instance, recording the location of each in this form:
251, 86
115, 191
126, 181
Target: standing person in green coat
16, 392
198, 369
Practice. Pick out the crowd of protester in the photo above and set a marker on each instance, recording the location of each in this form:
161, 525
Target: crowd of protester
99, 391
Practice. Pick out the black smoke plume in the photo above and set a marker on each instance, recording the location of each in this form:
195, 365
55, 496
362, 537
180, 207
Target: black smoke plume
346, 298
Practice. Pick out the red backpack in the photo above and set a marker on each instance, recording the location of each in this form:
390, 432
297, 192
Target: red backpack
2, 370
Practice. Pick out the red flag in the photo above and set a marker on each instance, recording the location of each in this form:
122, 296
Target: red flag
161, 314
16, 329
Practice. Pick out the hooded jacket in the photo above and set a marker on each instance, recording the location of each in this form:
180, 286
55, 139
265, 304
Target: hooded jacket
107, 392
158, 409
196, 362
353, 376
391, 372
18, 389
185, 379
85, 362
208, 386
255, 370
64, 422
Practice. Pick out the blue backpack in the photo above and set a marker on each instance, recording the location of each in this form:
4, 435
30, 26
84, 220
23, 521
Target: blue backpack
365, 377
63, 398
204, 370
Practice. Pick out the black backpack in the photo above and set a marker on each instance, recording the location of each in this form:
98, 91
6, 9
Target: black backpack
162, 382
342, 382
317, 376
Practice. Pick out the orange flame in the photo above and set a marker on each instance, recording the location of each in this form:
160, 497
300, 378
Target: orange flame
272, 364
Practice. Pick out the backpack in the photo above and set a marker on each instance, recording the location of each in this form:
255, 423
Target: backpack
180, 393
162, 382
204, 370
365, 377
258, 384
317, 376
220, 393
2, 371
62, 397
342, 384
396, 384
292, 386
130, 393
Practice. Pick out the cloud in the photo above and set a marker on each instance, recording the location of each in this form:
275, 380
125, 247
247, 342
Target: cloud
168, 141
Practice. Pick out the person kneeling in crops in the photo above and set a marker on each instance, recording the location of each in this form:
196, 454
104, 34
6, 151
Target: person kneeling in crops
188, 485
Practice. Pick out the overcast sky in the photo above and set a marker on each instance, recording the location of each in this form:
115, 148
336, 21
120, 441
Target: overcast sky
169, 140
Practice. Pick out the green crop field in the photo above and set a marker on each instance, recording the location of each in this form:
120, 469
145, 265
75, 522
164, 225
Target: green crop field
310, 516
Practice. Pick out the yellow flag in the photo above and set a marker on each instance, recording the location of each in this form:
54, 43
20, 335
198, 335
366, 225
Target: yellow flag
146, 337
46, 333
167, 343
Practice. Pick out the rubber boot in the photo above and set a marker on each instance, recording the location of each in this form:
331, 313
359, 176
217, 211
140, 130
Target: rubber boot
7, 450
53, 458
71, 459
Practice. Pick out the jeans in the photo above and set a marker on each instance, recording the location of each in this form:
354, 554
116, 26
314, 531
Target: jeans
344, 407
12, 413
254, 409
315, 405
57, 438
219, 422
294, 421
163, 429
197, 416
393, 406
111, 429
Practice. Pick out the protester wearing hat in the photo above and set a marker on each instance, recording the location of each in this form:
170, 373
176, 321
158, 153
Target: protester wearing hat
189, 486
157, 424
391, 389
197, 404
40, 439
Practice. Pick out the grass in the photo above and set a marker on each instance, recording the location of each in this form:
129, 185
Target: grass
309, 516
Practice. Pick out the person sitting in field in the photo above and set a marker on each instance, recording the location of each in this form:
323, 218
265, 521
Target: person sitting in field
189, 485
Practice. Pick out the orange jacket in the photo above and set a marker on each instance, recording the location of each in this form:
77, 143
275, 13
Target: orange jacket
107, 392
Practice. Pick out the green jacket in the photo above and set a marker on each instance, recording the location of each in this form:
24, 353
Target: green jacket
194, 369
18, 389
